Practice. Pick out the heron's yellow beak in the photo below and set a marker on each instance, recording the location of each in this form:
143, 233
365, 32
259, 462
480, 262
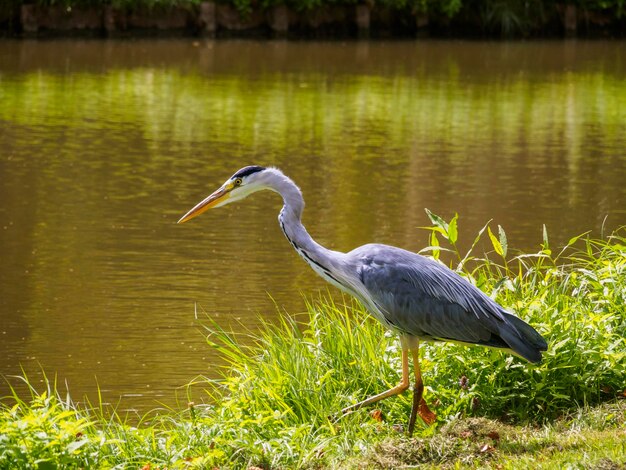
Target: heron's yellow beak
213, 200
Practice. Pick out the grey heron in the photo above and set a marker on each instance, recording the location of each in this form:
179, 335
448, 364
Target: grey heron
415, 296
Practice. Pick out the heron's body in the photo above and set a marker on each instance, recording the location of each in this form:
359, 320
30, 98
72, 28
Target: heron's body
414, 296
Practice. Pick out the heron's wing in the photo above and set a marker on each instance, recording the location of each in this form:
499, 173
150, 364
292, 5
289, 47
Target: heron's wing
425, 299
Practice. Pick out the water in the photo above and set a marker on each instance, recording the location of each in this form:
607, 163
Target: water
105, 144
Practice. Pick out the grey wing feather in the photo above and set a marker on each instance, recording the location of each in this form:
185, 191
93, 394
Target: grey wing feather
423, 298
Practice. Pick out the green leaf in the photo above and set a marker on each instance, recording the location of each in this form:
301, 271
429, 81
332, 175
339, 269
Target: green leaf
546, 243
436, 229
45, 465
503, 241
437, 221
575, 239
453, 232
434, 242
561, 395
75, 445
495, 242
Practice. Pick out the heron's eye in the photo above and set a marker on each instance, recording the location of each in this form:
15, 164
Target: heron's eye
237, 182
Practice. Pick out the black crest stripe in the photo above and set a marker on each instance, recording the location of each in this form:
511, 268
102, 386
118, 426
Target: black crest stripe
248, 170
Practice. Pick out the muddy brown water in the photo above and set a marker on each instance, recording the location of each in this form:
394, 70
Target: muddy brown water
105, 144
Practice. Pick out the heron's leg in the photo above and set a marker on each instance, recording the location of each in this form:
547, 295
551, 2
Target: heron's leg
419, 404
401, 387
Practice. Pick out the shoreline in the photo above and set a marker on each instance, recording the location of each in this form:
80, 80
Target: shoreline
220, 20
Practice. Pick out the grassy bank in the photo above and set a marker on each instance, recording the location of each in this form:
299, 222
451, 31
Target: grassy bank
281, 384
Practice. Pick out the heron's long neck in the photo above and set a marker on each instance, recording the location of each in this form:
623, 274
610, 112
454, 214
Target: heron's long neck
324, 261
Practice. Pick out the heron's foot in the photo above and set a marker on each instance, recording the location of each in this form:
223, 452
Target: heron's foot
427, 416
420, 408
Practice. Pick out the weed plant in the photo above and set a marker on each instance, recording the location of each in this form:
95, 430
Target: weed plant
282, 385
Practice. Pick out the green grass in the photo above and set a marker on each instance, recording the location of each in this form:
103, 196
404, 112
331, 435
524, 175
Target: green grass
281, 384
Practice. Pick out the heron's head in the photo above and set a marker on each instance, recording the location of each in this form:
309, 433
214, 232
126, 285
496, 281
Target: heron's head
243, 183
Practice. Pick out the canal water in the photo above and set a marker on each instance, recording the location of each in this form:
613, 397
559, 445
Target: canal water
105, 144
